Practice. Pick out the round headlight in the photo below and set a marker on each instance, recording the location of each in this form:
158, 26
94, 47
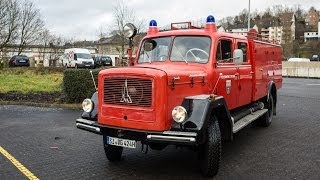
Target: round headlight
87, 105
129, 30
179, 114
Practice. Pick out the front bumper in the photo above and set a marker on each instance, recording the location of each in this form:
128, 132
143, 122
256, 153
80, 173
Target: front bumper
169, 137
85, 65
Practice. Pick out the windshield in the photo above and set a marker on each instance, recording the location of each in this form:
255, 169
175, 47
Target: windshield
155, 50
193, 49
83, 56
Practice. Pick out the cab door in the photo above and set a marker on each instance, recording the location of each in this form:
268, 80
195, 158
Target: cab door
226, 73
245, 77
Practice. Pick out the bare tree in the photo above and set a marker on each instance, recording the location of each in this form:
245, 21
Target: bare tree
122, 15
9, 22
30, 24
226, 22
45, 38
101, 32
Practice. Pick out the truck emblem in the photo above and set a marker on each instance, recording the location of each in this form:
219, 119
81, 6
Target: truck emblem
125, 94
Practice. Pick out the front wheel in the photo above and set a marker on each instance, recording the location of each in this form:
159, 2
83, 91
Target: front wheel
210, 152
113, 153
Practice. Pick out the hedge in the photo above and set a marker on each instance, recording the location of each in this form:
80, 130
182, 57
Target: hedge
78, 84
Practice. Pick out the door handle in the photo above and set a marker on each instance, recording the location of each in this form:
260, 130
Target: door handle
261, 69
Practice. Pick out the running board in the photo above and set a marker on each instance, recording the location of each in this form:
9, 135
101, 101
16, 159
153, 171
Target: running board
248, 119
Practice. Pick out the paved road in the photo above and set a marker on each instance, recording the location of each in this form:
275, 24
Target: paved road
46, 142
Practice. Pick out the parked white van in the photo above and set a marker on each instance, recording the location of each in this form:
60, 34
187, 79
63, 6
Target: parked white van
298, 60
78, 58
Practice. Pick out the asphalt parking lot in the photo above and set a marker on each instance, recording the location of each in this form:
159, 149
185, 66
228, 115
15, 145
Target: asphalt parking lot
47, 143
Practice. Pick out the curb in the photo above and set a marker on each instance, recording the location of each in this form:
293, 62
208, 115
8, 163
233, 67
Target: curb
64, 106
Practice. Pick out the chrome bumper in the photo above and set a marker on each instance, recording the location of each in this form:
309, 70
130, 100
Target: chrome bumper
173, 136
170, 137
88, 125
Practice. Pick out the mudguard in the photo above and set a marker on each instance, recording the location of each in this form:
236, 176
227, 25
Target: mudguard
200, 109
94, 114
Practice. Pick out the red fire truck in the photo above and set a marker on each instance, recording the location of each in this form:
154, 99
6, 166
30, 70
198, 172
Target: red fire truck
190, 87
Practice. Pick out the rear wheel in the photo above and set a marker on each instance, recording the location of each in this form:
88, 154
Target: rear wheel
266, 119
210, 152
113, 153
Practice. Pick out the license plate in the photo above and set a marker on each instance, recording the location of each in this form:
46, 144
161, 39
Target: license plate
87, 65
121, 142
22, 61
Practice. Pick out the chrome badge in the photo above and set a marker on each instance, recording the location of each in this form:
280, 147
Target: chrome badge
125, 94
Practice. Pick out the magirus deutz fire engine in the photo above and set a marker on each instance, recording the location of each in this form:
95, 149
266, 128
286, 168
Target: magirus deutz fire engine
188, 86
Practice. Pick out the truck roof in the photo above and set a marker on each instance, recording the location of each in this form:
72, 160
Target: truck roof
195, 32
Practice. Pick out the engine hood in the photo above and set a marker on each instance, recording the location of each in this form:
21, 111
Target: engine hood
178, 74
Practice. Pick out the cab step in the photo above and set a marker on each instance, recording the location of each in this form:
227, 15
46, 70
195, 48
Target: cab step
248, 119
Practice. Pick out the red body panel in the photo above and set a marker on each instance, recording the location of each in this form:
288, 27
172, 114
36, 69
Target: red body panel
173, 81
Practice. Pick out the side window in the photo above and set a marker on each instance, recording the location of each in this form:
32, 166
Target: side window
243, 46
224, 51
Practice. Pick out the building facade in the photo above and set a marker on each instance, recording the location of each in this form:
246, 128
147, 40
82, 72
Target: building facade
312, 35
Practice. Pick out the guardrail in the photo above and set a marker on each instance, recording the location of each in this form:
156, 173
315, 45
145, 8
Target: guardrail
301, 69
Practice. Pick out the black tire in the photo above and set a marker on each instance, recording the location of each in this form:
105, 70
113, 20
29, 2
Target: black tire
210, 152
113, 153
266, 119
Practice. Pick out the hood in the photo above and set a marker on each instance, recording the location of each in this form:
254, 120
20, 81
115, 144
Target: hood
180, 73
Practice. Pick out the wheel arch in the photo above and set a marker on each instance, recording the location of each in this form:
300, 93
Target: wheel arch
200, 111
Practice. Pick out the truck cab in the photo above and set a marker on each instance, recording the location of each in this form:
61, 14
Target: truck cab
192, 87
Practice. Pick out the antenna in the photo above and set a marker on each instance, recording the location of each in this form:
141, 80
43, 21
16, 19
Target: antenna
94, 82
215, 87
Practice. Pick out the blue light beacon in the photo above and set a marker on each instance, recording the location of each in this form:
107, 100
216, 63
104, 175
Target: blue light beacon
211, 24
153, 27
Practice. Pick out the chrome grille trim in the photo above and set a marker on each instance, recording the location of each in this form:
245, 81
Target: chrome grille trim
128, 91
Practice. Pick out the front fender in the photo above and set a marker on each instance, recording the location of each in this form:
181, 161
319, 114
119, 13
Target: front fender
93, 115
200, 109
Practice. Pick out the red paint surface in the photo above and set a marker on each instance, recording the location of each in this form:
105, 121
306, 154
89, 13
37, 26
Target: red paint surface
249, 81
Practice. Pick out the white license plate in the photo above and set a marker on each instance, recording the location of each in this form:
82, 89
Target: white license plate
87, 65
22, 61
121, 142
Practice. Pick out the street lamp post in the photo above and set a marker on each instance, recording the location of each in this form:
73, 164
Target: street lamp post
249, 17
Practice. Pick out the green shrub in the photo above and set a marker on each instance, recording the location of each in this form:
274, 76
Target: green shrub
78, 84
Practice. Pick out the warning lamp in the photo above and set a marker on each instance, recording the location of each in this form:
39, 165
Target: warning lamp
210, 19
153, 23
153, 27
211, 24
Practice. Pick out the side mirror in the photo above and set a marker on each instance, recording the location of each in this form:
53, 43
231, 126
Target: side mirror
238, 56
75, 56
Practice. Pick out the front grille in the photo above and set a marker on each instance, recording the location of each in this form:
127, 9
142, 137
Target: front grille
128, 91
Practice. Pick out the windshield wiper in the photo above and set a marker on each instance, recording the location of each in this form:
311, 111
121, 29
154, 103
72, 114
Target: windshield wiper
144, 52
180, 54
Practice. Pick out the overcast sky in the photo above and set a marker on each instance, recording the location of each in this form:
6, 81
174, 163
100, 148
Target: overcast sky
81, 19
